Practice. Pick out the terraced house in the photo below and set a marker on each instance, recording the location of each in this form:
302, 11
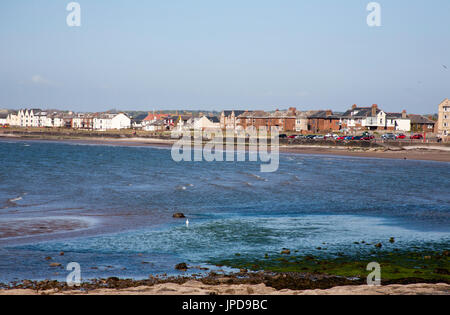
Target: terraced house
324, 121
283, 121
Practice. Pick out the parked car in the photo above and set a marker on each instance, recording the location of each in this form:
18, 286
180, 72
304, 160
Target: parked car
388, 136
283, 136
349, 138
292, 136
417, 137
300, 137
358, 138
367, 138
401, 136
310, 136
340, 138
319, 137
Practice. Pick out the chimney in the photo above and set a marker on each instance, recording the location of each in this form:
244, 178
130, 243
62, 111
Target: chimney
329, 112
374, 110
354, 107
404, 116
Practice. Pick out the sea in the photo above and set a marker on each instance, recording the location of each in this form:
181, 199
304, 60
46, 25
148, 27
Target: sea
109, 208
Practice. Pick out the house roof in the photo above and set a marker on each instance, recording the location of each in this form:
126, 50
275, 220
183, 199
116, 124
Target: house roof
255, 114
139, 118
214, 119
394, 115
418, 119
236, 112
282, 114
361, 112
324, 115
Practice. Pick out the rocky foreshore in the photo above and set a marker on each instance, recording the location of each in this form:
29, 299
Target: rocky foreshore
239, 283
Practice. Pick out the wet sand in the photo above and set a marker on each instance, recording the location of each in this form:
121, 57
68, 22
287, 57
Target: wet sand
408, 152
416, 153
33, 227
198, 288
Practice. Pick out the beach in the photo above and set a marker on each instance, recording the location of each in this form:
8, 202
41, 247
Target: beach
416, 151
193, 288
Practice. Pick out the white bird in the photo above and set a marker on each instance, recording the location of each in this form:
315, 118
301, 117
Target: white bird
187, 223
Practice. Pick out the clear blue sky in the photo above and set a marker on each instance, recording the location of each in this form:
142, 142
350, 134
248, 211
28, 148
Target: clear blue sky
224, 54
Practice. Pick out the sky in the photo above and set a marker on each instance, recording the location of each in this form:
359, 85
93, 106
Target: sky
224, 54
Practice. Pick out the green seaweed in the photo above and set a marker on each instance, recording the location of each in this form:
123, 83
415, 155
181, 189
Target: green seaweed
427, 265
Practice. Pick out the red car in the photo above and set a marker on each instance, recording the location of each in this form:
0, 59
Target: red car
401, 136
340, 138
368, 138
417, 137
292, 137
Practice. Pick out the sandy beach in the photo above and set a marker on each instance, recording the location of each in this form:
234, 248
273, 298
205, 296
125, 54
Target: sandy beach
422, 152
198, 288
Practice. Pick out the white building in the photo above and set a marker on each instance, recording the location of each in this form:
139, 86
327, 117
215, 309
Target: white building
111, 121
13, 119
207, 123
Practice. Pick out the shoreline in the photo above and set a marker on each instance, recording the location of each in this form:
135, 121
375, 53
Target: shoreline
415, 152
260, 283
195, 288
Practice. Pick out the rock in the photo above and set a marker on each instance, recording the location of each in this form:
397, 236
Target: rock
243, 270
179, 215
442, 271
61, 254
379, 245
181, 266
48, 258
55, 265
286, 252
446, 253
392, 240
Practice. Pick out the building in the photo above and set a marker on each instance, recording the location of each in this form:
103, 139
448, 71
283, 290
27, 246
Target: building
157, 125
13, 119
184, 123
137, 122
375, 119
398, 122
301, 121
421, 124
363, 118
207, 123
443, 125
324, 122
3, 118
83, 121
283, 121
111, 121
229, 119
